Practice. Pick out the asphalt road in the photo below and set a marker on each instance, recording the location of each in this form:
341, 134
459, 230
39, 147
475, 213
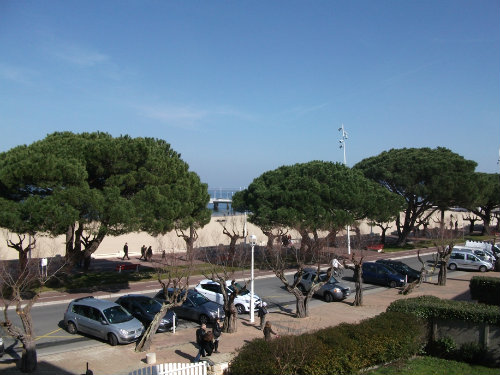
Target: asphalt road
51, 337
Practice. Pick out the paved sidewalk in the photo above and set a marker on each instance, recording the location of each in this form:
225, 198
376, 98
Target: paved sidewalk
104, 359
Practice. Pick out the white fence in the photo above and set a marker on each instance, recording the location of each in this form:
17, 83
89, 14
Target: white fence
199, 368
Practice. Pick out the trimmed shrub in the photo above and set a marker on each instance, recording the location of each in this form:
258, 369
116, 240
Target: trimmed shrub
429, 307
343, 349
485, 289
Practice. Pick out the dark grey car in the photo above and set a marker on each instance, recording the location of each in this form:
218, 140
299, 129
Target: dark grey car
103, 319
196, 307
332, 290
145, 308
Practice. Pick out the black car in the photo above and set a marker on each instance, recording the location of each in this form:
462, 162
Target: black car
402, 268
145, 308
196, 307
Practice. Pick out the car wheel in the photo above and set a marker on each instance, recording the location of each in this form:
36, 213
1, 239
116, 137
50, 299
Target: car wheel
482, 268
328, 297
72, 328
392, 284
113, 341
240, 309
301, 288
203, 319
452, 266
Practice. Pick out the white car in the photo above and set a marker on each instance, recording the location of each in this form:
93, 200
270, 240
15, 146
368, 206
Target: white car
212, 291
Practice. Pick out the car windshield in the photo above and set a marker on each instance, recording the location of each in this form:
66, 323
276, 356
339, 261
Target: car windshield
198, 299
117, 314
151, 305
243, 290
322, 277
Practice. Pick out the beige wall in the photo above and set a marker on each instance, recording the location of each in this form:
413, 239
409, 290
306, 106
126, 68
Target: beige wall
210, 235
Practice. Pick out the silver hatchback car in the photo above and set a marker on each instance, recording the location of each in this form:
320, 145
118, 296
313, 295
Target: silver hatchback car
103, 319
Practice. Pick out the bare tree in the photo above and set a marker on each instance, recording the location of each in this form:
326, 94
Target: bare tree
280, 259
22, 248
173, 276
20, 288
222, 266
472, 220
233, 227
416, 283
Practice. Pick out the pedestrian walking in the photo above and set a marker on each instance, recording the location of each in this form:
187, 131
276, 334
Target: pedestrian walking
262, 314
337, 267
268, 330
200, 333
143, 252
217, 331
149, 254
125, 250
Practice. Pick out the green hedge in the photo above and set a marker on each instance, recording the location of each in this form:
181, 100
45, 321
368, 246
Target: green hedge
343, 349
485, 289
428, 307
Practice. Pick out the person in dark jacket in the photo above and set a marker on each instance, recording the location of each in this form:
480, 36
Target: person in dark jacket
268, 330
217, 331
208, 343
125, 251
200, 334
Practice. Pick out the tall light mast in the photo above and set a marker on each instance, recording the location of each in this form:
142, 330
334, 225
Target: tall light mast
342, 142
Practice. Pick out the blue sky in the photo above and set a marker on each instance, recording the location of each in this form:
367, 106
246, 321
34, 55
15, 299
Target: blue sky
242, 87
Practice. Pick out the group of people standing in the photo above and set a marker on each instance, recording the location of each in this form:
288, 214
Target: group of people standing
208, 341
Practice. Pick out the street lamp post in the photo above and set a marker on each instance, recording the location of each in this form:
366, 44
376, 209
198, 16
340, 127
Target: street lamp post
253, 241
342, 142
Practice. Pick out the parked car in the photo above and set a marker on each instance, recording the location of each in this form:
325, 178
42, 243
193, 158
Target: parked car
2, 348
482, 254
379, 273
103, 319
145, 308
404, 269
467, 260
213, 292
332, 290
196, 307
492, 248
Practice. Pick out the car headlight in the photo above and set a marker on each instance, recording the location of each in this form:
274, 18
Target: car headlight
402, 280
165, 321
336, 290
123, 332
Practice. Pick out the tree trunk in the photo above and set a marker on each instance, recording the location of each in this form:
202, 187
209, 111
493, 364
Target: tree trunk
442, 274
302, 310
147, 338
230, 319
28, 361
358, 279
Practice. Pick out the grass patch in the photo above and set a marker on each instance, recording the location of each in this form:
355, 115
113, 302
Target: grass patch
432, 366
104, 279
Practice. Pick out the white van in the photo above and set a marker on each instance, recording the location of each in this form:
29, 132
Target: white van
480, 253
466, 259
494, 250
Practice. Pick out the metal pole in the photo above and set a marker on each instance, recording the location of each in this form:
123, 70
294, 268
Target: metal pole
343, 145
252, 317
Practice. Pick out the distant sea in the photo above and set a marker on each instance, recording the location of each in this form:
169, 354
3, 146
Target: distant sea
225, 193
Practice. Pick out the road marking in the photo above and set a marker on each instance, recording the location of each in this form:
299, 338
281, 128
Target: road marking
48, 334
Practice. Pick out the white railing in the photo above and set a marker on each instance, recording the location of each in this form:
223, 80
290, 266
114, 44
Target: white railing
199, 368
